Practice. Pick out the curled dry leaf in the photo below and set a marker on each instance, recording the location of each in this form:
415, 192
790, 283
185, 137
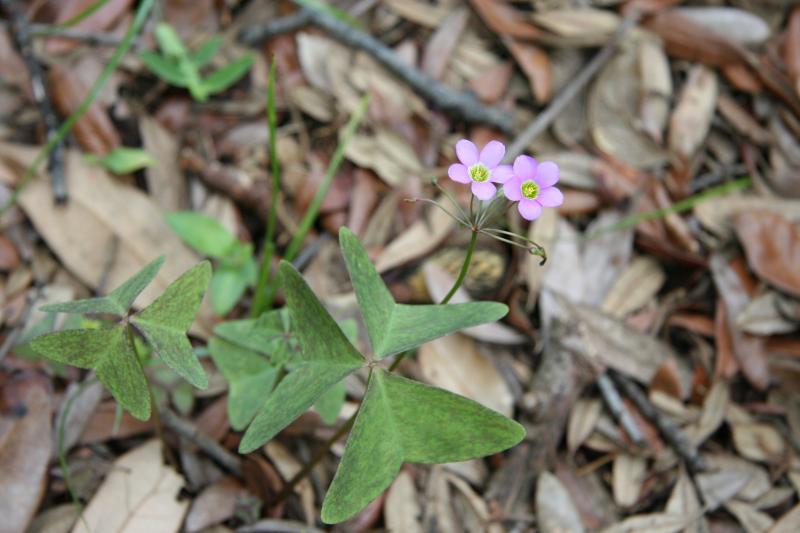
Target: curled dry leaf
772, 246
656, 87
535, 64
555, 510
504, 19
736, 24
454, 363
764, 316
24, 451
715, 408
691, 120
759, 442
140, 493
579, 26
635, 287
683, 501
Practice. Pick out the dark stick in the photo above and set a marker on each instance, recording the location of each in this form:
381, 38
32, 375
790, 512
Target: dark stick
189, 431
571, 90
670, 431
22, 37
461, 104
257, 34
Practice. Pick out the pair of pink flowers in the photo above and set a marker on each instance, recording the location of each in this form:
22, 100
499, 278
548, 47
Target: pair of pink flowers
530, 183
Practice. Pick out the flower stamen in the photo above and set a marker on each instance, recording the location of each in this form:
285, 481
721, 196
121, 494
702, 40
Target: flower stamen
530, 189
478, 172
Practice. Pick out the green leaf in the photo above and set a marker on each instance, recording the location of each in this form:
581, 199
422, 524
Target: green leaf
250, 376
164, 323
169, 41
206, 52
165, 68
221, 79
118, 302
203, 233
227, 287
263, 334
124, 160
110, 352
394, 328
329, 405
404, 420
327, 356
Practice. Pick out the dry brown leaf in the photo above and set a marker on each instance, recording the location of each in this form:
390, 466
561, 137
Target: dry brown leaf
651, 523
504, 19
736, 24
683, 501
764, 316
102, 216
772, 245
444, 40
579, 26
656, 88
24, 450
165, 180
420, 238
289, 466
635, 287
748, 481
628, 475
759, 441
139, 494
686, 39
753, 520
613, 111
454, 363
535, 64
215, 504
691, 119
717, 214
555, 510
582, 421
94, 130
83, 401
791, 48
715, 408
741, 119
58, 519
401, 510
422, 13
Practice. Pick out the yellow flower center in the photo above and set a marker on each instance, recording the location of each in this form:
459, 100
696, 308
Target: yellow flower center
530, 190
478, 172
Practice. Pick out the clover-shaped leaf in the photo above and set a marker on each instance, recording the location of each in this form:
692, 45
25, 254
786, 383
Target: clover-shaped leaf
403, 420
393, 327
111, 350
327, 357
118, 302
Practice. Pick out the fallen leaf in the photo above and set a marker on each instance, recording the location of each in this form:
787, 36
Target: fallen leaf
579, 26
791, 48
715, 408
691, 119
717, 214
651, 523
535, 64
289, 466
454, 363
759, 441
764, 316
401, 511
628, 474
736, 24
753, 520
635, 287
683, 501
165, 181
139, 494
214, 505
444, 40
504, 19
582, 420
772, 246
58, 519
25, 447
555, 510
686, 39
789, 522
656, 88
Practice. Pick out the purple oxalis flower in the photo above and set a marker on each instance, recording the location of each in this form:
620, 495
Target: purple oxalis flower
532, 185
482, 169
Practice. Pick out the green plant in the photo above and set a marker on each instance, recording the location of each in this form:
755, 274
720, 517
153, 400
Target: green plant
111, 348
236, 267
399, 419
180, 67
123, 160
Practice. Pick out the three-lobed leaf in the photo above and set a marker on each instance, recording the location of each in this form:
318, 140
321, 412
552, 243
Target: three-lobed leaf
394, 328
224, 77
118, 302
404, 420
203, 233
327, 357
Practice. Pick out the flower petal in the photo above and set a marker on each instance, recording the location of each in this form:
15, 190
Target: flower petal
547, 174
512, 189
525, 167
501, 174
483, 190
492, 153
550, 197
529, 209
459, 173
467, 152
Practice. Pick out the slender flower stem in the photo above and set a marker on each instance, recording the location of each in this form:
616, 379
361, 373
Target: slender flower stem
464, 268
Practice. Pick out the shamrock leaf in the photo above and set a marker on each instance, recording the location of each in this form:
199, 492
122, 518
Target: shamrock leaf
250, 375
164, 323
118, 302
327, 357
404, 420
203, 233
393, 327
268, 334
111, 353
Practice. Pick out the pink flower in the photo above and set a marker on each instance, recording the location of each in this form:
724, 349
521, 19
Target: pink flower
532, 185
481, 169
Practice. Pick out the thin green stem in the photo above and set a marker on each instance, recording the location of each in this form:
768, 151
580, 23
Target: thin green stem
464, 268
139, 19
313, 209
83, 15
268, 250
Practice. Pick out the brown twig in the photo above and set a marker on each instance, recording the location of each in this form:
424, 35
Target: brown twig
257, 34
461, 104
189, 431
20, 31
671, 432
571, 90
